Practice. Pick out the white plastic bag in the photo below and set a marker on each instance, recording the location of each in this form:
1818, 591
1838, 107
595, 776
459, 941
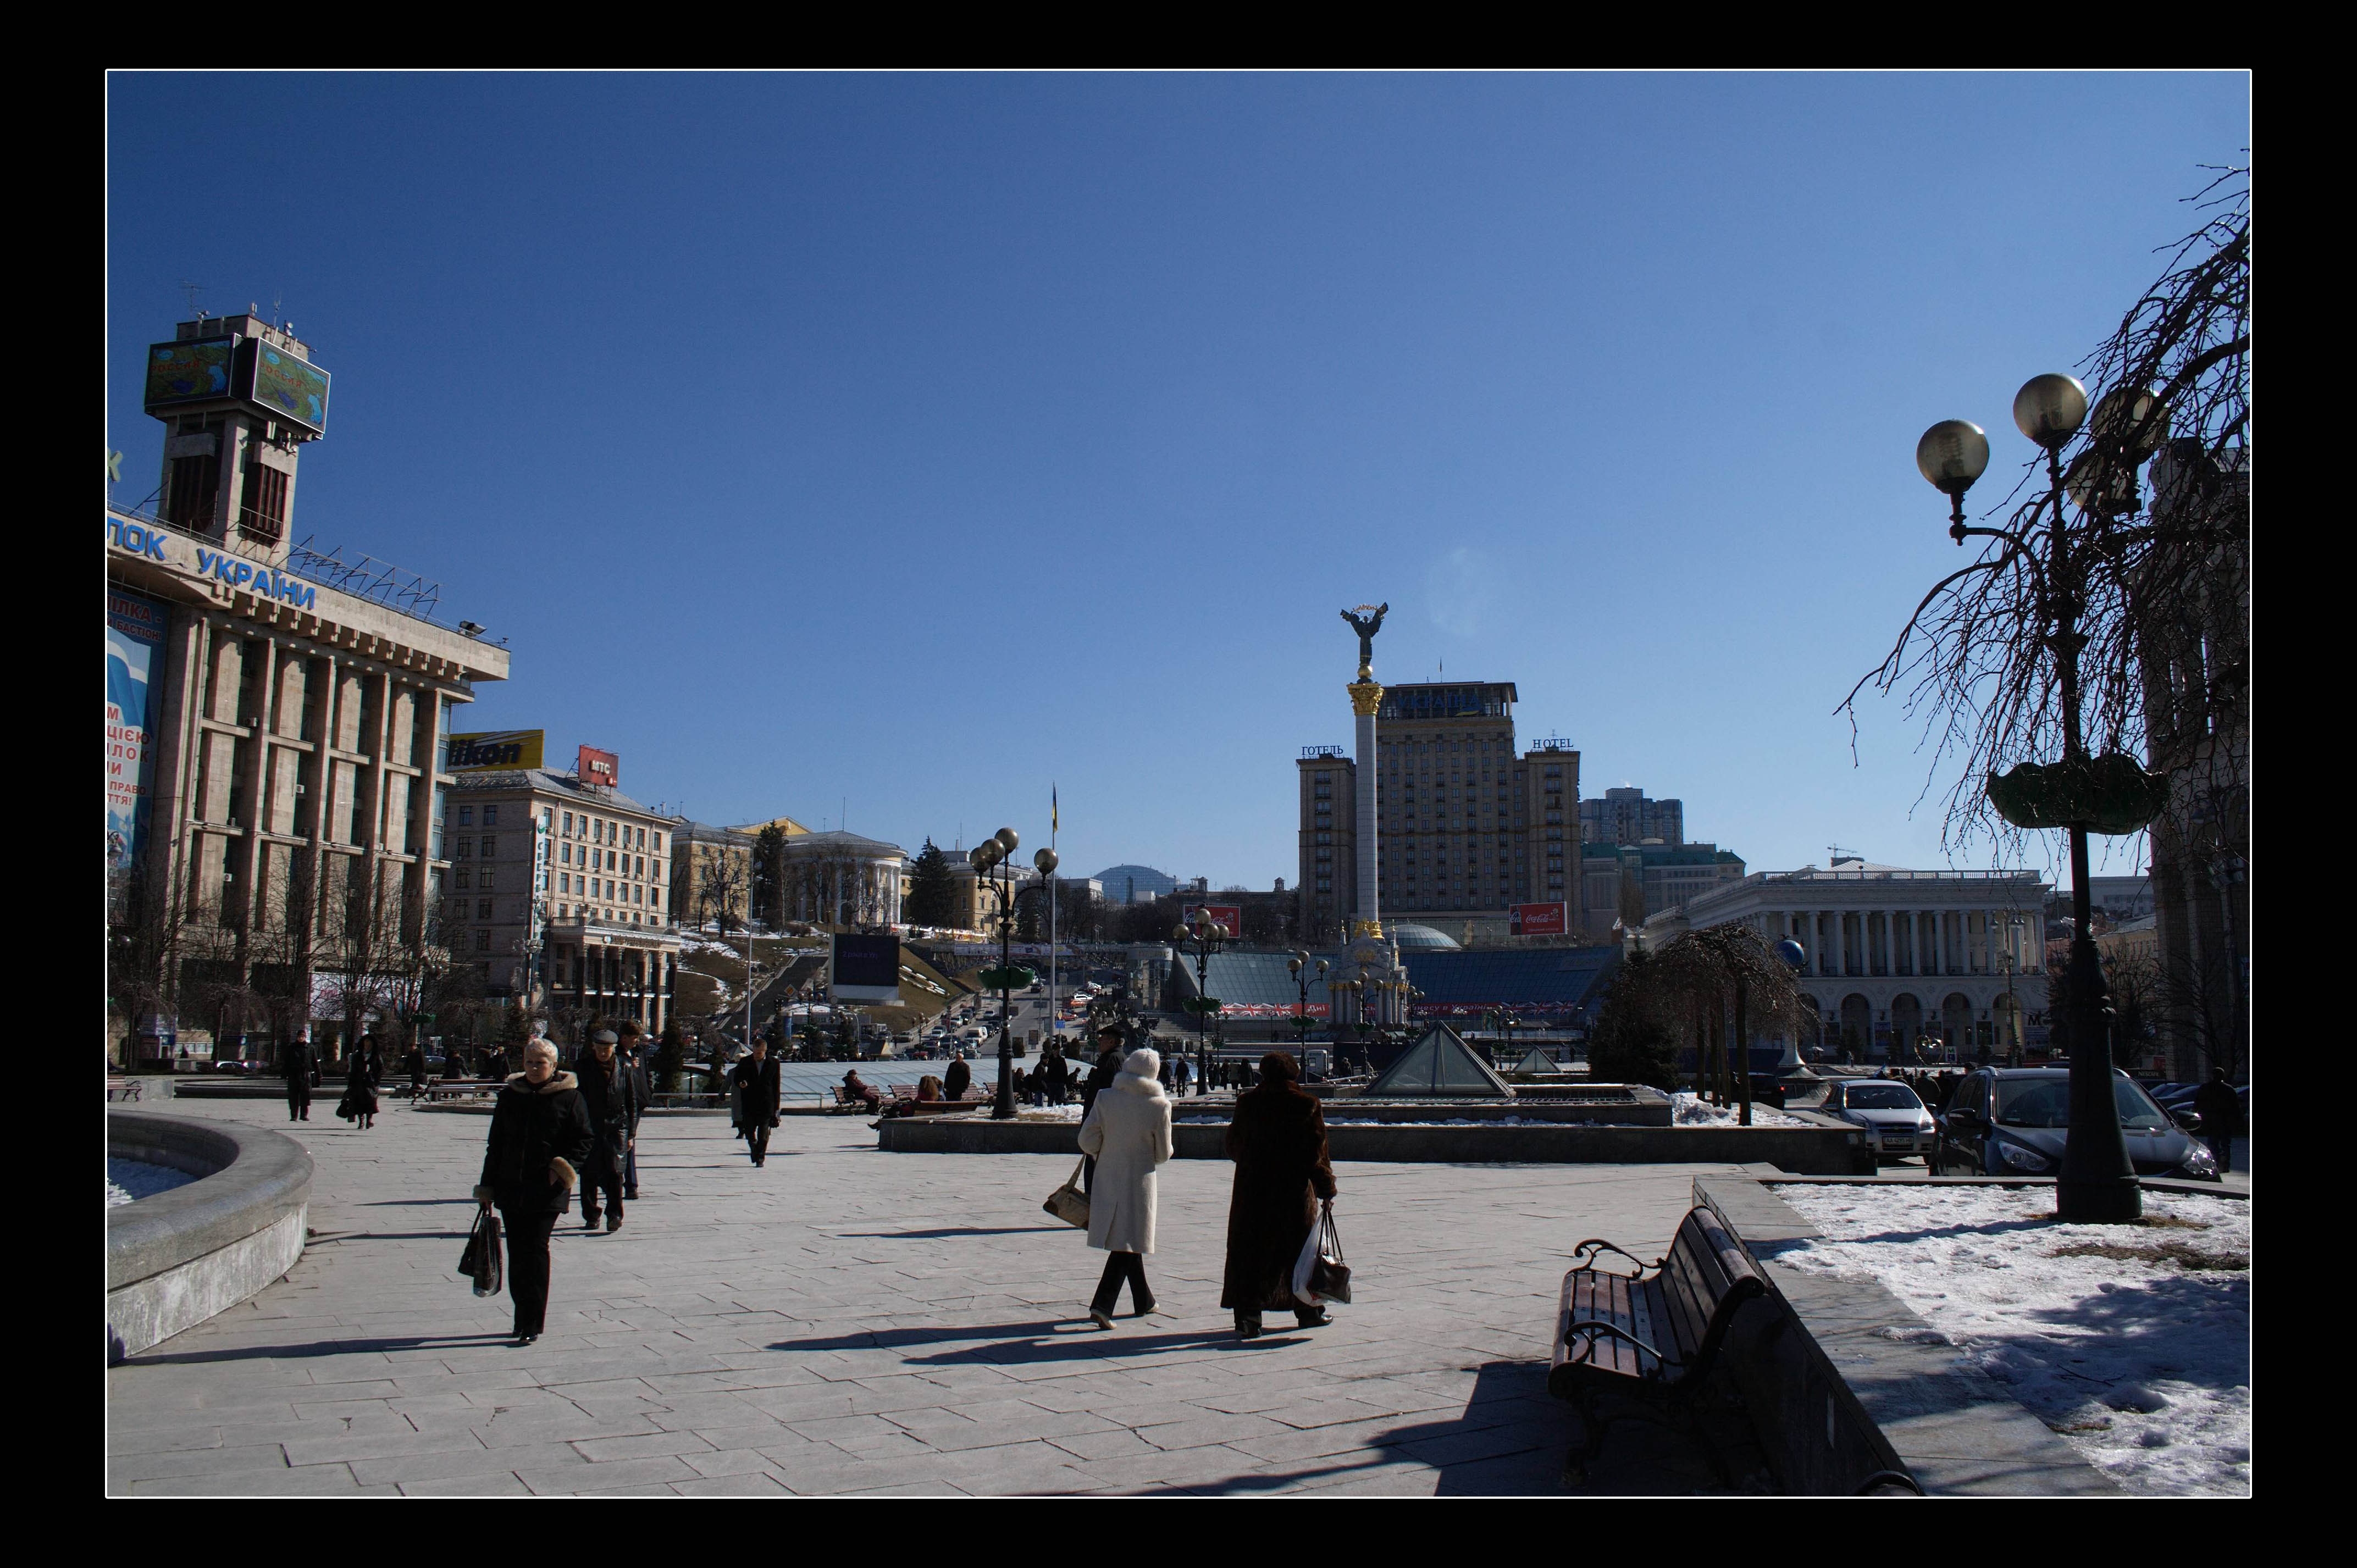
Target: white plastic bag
1304, 1263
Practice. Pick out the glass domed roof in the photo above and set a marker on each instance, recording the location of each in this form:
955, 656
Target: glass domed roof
1415, 936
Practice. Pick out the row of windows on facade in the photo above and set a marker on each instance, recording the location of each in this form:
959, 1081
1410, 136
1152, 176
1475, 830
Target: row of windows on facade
592, 830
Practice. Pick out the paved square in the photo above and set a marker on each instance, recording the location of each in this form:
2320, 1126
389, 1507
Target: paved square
851, 1321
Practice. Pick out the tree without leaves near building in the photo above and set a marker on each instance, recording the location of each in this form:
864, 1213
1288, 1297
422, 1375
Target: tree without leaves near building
933, 892
2160, 593
720, 889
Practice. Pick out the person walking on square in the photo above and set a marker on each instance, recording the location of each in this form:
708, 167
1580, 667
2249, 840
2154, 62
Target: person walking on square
415, 1062
362, 1072
609, 1095
2220, 1110
295, 1061
1127, 1132
1277, 1139
754, 1093
540, 1138
634, 1062
1100, 1079
959, 1076
1055, 1076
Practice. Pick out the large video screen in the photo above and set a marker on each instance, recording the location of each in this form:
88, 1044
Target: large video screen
190, 373
292, 389
867, 968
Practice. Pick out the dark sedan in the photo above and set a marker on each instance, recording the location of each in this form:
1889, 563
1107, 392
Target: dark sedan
2014, 1120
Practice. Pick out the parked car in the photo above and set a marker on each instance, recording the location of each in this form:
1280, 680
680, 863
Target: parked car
2014, 1121
1889, 1111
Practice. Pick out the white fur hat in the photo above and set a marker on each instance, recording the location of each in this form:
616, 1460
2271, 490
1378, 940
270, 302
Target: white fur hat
1141, 1063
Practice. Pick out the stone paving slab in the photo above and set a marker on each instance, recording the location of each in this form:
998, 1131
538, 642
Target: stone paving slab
850, 1322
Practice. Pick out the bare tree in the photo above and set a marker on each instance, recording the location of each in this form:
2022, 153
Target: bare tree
722, 885
1727, 977
2148, 564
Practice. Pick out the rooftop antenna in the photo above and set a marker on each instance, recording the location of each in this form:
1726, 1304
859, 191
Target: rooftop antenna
1835, 851
193, 289
275, 296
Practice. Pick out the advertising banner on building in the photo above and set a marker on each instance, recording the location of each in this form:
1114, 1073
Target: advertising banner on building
596, 766
1229, 915
135, 693
483, 751
1535, 920
865, 969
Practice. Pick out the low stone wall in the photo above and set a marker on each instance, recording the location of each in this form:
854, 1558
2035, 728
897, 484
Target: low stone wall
1804, 1151
182, 1256
1842, 1382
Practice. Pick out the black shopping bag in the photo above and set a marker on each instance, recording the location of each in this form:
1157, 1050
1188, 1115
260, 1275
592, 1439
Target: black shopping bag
481, 1261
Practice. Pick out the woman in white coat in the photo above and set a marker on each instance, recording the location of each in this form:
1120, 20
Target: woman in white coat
1129, 1133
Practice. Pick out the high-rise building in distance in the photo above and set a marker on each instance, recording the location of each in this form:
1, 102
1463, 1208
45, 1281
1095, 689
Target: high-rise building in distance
1465, 825
1626, 816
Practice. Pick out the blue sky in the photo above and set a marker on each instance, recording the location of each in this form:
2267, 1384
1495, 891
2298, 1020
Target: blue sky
913, 441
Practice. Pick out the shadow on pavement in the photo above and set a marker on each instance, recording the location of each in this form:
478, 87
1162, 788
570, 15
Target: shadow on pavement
1059, 1339
323, 1347
964, 1230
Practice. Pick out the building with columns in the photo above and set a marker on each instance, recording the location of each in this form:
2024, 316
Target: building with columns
843, 879
1952, 961
276, 722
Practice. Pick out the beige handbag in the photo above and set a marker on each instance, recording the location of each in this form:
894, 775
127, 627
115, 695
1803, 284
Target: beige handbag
1068, 1202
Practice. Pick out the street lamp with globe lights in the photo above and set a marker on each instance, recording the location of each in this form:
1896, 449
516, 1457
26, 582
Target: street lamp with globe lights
993, 856
2081, 794
1202, 937
1045, 862
1299, 966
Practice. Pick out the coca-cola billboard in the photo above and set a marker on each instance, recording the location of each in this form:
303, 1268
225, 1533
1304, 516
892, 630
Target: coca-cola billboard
1535, 920
1231, 916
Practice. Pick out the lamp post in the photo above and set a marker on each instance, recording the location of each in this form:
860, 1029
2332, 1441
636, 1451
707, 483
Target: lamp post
2097, 1183
1045, 862
1299, 965
1202, 937
994, 855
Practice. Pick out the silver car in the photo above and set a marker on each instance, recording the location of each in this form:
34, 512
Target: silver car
1896, 1120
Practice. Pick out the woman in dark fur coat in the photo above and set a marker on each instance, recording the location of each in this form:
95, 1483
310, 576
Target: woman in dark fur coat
1279, 1141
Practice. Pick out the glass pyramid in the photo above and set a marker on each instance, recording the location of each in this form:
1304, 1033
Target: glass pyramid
1438, 1063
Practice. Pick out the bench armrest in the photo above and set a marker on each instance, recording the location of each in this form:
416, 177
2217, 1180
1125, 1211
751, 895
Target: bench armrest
1585, 1254
1599, 1326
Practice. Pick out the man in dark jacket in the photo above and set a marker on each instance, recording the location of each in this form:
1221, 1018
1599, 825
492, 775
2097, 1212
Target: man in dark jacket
634, 1062
1277, 1139
1055, 1076
955, 1082
416, 1065
2220, 1110
1109, 1059
295, 1061
610, 1094
755, 1092
540, 1139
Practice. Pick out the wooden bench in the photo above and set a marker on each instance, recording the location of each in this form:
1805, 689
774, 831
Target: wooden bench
1651, 1333
124, 1089
844, 1100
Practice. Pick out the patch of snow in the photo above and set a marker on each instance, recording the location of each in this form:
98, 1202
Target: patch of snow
2133, 1341
1687, 1110
128, 1181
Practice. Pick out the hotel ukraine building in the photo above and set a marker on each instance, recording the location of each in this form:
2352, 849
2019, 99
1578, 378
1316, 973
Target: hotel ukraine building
276, 724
